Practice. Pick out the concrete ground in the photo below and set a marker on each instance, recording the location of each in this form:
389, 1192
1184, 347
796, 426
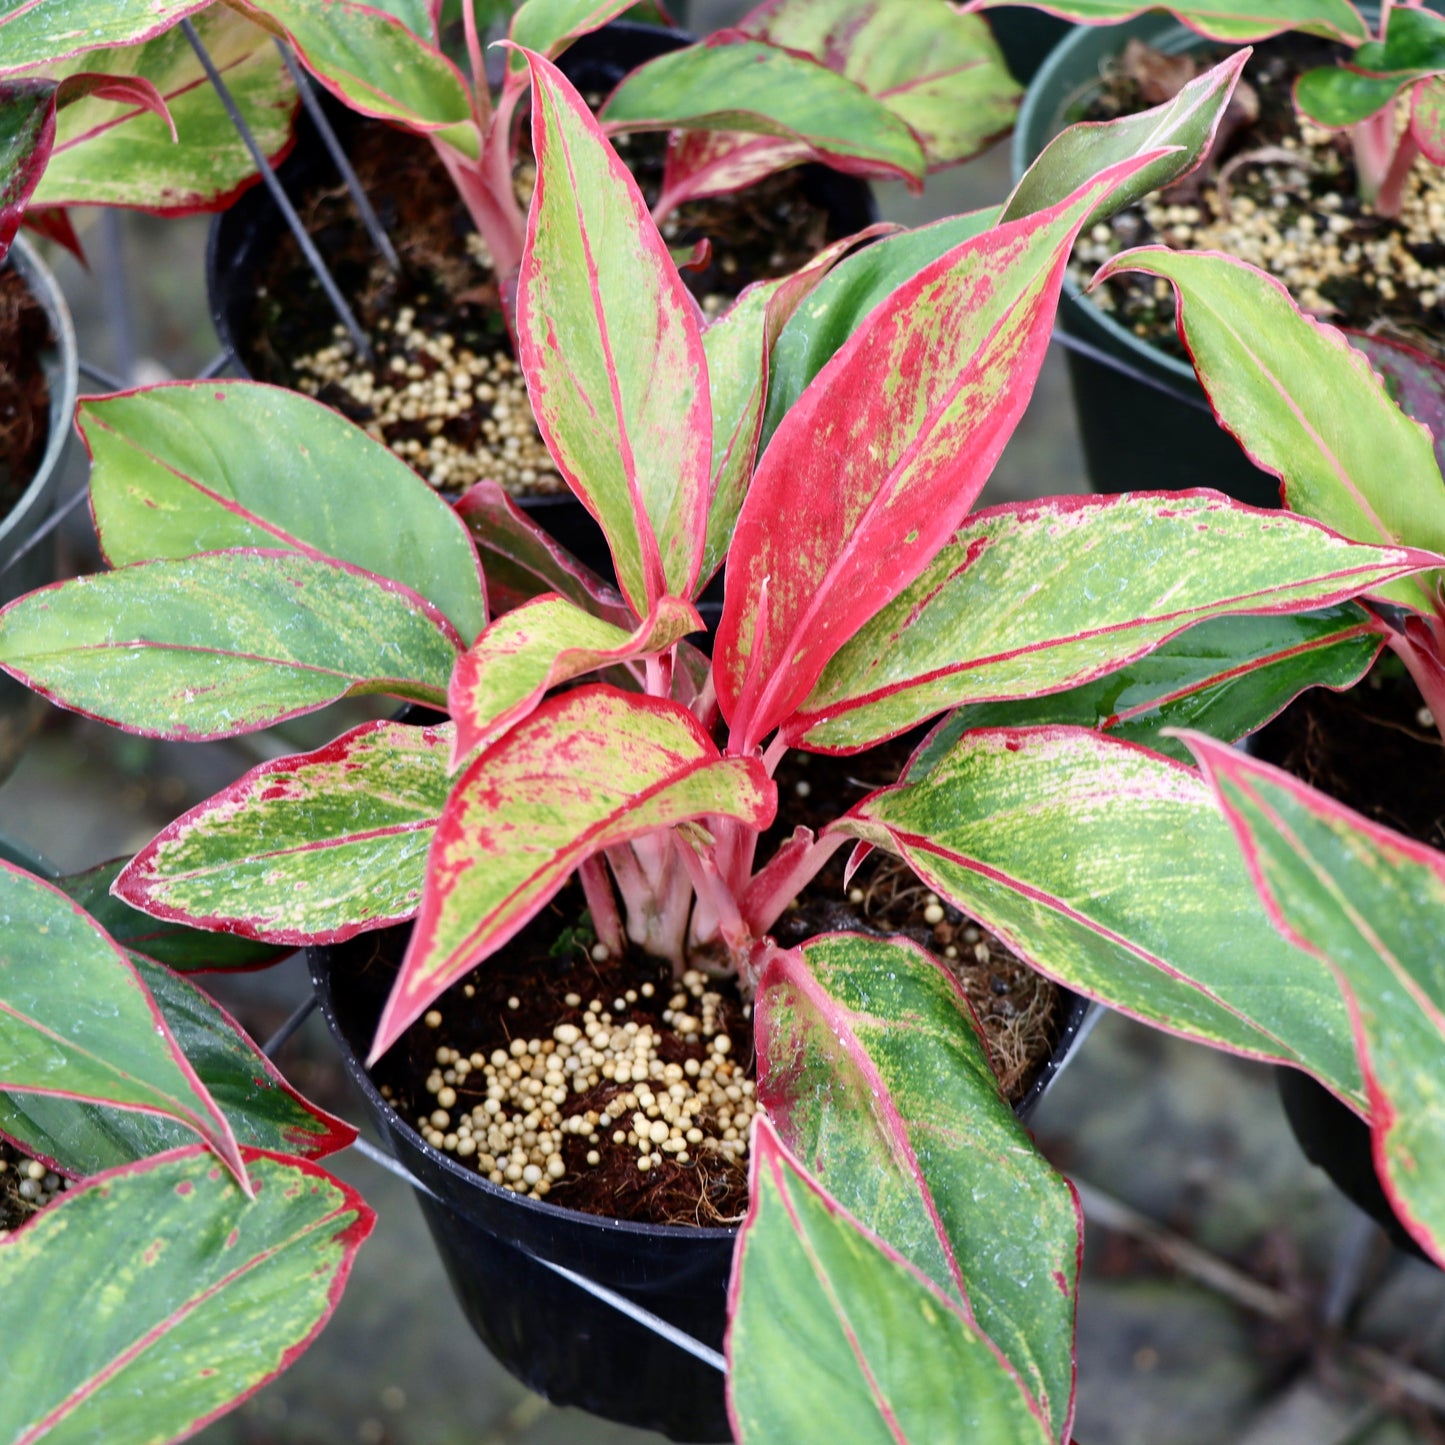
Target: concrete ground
1230, 1296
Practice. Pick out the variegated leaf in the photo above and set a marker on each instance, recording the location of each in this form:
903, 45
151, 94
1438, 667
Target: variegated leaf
1415, 382
550, 26
730, 83
1371, 903
878, 462
871, 1067
703, 163
225, 642
1112, 870
306, 849
264, 1111
27, 132
193, 467
1236, 20
517, 823
608, 338
37, 33
1189, 121
1427, 118
1305, 407
194, 1296
1226, 677
129, 157
77, 1020
542, 644
1037, 597
186, 950
892, 1360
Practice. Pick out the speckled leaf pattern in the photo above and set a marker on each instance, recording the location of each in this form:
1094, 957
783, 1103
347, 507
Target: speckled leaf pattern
264, 1111
374, 62
307, 849
891, 1359
112, 155
1427, 119
935, 68
733, 84
608, 338
1415, 382
840, 302
1189, 121
588, 769
1112, 870
194, 1297
1305, 407
1036, 597
76, 1018
204, 466
1236, 20
27, 131
521, 560
1371, 903
877, 463
872, 1070
1226, 677
541, 645
224, 643
715, 162
549, 26
38, 32
186, 950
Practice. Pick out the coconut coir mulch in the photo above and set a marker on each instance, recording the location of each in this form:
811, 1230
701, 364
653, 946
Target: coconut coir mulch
24, 392
547, 977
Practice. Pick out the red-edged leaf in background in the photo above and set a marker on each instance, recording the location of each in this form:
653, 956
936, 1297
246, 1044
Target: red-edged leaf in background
1415, 382
548, 641
608, 338
871, 1066
588, 769
180, 1296
1370, 902
34, 33
876, 464
891, 1358
1236, 20
308, 849
1427, 118
76, 1019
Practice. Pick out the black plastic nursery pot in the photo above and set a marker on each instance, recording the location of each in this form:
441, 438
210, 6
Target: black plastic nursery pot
20, 709
1136, 436
560, 1340
243, 238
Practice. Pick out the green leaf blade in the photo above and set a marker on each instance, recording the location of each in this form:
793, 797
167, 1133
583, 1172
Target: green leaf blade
33, 35
1233, 20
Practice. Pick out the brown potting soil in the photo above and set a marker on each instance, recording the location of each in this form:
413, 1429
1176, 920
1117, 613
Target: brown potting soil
548, 976
1373, 748
447, 293
1281, 195
24, 391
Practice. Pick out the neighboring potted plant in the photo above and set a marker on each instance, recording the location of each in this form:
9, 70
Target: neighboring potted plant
862, 600
1322, 210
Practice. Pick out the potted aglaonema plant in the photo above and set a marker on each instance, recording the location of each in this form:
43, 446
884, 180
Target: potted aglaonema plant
844, 625
196, 1247
1324, 174
1309, 408
890, 90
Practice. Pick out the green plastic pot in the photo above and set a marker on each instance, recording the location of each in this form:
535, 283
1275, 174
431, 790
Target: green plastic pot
20, 710
1136, 436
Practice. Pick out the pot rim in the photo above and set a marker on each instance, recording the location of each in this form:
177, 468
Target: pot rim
62, 370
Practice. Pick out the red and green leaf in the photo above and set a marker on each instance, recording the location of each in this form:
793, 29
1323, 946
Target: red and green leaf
1112, 870
875, 466
39, 34
542, 644
1427, 118
892, 1359
192, 467
264, 1111
1235, 20
1344, 95
1037, 597
548, 27
307, 849
872, 1069
190, 158
1305, 406
1414, 382
588, 769
1226, 677
194, 1296
225, 642
1189, 121
608, 338
77, 1020
1370, 902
